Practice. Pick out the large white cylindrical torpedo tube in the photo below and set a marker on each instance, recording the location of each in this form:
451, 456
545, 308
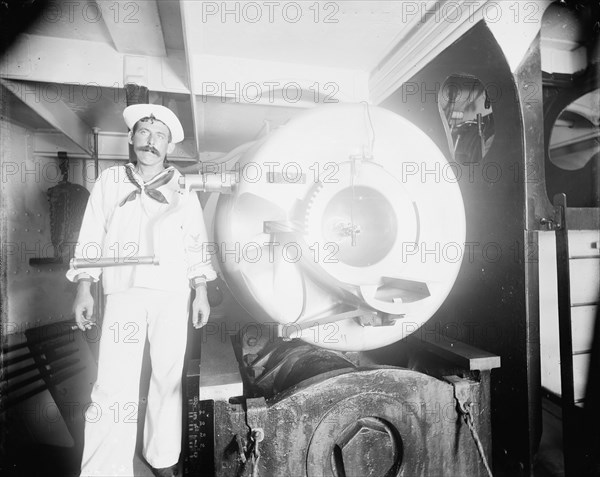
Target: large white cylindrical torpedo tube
346, 227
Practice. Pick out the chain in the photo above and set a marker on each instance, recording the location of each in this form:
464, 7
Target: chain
468, 417
241, 449
250, 452
256, 436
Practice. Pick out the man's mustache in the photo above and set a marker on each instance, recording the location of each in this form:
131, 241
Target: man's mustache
149, 149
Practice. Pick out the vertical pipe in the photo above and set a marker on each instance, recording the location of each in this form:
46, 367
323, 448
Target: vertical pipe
96, 131
481, 135
595, 181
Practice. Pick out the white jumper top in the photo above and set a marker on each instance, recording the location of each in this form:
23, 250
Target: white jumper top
121, 229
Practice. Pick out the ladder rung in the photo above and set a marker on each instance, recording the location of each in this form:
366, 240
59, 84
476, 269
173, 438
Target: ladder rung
586, 351
591, 303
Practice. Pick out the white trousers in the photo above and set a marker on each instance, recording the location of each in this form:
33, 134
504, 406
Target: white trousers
111, 418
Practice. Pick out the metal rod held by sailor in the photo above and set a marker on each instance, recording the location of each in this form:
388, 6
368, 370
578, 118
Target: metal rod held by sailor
103, 262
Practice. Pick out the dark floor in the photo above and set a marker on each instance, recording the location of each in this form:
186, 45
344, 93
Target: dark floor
550, 457
585, 443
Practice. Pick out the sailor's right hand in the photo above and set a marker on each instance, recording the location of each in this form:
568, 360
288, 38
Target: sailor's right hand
83, 307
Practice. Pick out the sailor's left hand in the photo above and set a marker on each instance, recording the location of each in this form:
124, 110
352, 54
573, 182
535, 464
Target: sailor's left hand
200, 307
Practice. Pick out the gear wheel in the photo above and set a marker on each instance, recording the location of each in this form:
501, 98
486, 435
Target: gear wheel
309, 203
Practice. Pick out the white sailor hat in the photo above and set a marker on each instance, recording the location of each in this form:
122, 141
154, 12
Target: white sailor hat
132, 114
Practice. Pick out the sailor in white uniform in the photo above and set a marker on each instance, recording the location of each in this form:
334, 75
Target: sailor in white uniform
139, 210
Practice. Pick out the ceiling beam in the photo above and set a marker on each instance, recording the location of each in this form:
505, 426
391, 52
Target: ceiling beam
135, 27
68, 61
253, 81
438, 25
434, 26
187, 24
57, 114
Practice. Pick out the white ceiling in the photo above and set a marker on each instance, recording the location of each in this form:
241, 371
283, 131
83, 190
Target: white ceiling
349, 34
225, 67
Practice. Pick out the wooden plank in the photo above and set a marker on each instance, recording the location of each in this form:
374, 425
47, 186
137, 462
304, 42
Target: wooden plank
583, 319
219, 370
457, 352
585, 281
584, 243
581, 365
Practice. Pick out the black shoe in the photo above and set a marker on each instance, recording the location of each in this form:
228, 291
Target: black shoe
172, 471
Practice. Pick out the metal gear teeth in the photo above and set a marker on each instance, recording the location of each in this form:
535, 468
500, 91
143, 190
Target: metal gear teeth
309, 204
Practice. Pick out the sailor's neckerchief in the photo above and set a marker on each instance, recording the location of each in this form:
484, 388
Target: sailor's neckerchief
150, 187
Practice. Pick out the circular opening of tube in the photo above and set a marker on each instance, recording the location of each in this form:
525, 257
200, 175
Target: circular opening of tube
574, 139
363, 224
